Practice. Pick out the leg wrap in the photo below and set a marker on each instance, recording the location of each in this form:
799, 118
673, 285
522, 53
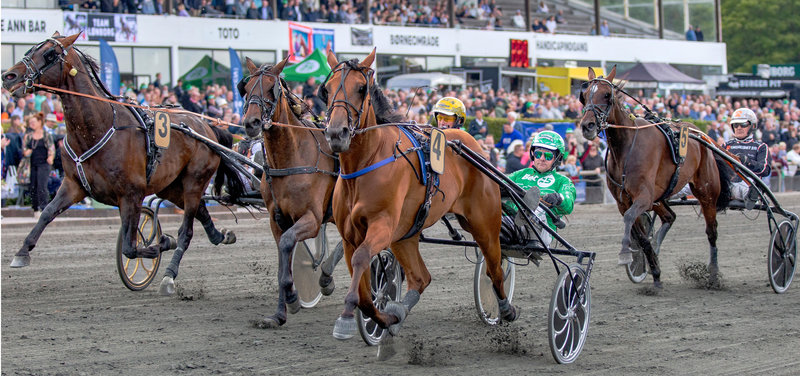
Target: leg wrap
411, 299
172, 269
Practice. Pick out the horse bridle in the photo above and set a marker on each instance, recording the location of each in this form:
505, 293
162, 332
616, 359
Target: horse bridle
260, 100
32, 73
600, 111
345, 67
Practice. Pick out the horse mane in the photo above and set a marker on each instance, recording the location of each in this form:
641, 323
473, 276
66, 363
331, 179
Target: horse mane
384, 112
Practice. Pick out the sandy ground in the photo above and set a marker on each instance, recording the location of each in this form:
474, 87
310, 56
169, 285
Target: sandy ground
68, 313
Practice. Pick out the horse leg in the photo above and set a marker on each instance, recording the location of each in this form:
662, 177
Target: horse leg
710, 215
69, 193
191, 203
304, 228
639, 206
647, 248
215, 236
667, 217
417, 277
376, 240
326, 277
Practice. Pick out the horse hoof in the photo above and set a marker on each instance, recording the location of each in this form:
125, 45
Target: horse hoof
513, 314
386, 349
625, 258
399, 311
167, 243
345, 328
328, 288
268, 323
294, 306
20, 261
167, 287
658, 285
230, 237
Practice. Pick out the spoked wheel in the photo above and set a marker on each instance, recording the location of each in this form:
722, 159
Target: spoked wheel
568, 317
782, 257
307, 267
637, 270
485, 298
137, 273
386, 284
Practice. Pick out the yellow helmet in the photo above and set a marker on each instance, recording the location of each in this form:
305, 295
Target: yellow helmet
453, 107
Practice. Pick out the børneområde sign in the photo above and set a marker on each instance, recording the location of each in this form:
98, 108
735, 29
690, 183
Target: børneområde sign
414, 40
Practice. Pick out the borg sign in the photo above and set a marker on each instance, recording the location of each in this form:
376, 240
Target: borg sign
438, 145
162, 130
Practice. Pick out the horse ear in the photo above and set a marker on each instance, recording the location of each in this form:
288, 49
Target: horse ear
56, 34
278, 68
332, 59
68, 41
367, 62
591, 74
250, 65
611, 75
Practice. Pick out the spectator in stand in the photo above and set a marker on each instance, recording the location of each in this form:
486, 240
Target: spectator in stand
690, 34
537, 26
513, 161
770, 135
518, 20
793, 160
38, 145
182, 11
509, 134
592, 161
478, 125
604, 30
551, 25
560, 17
252, 11
543, 8
265, 11
698, 33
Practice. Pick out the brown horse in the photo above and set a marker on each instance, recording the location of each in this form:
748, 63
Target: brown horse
640, 168
375, 210
116, 173
299, 174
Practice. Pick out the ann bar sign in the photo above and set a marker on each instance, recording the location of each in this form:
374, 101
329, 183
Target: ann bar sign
23, 26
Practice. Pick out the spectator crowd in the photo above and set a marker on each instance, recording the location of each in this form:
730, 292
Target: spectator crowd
779, 119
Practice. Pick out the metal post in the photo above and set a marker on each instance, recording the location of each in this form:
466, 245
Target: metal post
686, 21
660, 19
367, 6
527, 15
597, 16
451, 13
274, 4
626, 8
718, 20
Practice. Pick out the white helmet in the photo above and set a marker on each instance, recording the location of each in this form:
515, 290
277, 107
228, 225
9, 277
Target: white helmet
744, 115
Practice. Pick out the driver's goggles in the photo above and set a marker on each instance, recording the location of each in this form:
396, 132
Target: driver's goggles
445, 118
538, 154
740, 125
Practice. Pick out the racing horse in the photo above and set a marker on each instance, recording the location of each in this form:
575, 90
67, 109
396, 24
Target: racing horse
377, 197
299, 174
640, 170
104, 155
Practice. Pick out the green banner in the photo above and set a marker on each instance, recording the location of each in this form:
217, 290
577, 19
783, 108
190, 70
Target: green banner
781, 70
206, 72
315, 65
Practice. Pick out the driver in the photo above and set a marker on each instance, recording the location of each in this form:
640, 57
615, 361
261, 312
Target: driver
752, 153
555, 190
449, 113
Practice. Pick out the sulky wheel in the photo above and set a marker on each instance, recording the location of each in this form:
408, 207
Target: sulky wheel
568, 317
637, 270
386, 284
307, 267
782, 257
137, 273
485, 297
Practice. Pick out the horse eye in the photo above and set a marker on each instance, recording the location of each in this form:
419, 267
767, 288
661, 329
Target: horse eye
50, 55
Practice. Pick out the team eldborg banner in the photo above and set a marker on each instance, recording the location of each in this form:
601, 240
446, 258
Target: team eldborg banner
111, 27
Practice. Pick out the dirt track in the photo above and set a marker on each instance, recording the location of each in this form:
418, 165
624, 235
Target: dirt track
69, 313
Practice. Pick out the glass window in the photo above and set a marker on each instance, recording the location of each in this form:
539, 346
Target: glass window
258, 57
415, 64
188, 58
471, 61
149, 61
124, 59
7, 53
440, 63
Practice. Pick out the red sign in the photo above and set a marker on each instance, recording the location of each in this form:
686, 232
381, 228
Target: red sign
518, 54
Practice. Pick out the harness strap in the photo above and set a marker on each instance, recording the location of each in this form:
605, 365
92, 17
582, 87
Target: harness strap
88, 154
370, 168
278, 172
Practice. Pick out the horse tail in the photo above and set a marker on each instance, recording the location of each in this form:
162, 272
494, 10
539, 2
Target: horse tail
226, 173
725, 175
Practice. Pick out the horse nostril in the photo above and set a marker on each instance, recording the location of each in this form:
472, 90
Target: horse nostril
9, 76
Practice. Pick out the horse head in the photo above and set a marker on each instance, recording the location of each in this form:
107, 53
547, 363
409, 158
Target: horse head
262, 88
598, 99
349, 101
35, 66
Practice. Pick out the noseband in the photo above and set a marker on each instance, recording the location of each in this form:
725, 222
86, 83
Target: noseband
32, 73
600, 111
266, 106
345, 67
